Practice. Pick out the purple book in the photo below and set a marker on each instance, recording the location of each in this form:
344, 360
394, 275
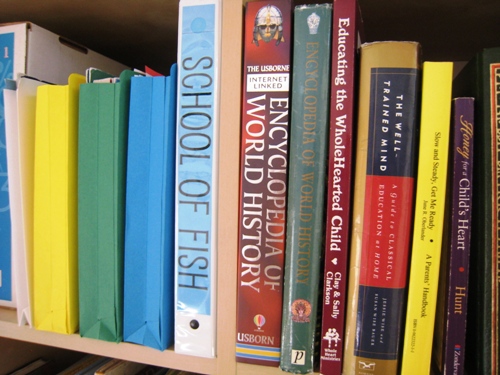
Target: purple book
449, 338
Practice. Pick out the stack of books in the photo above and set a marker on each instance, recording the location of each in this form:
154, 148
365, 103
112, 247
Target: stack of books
379, 281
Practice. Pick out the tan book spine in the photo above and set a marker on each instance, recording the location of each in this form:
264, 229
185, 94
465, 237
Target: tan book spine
388, 94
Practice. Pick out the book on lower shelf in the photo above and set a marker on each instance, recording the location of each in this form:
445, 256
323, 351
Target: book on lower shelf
263, 180
197, 176
309, 125
120, 367
346, 38
479, 79
448, 353
385, 173
435, 120
40, 366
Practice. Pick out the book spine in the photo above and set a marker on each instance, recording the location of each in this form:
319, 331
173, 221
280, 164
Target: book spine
429, 216
306, 185
383, 205
6, 278
460, 226
494, 73
196, 178
345, 32
263, 180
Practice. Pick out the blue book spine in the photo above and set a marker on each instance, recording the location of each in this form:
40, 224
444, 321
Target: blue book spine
196, 184
6, 71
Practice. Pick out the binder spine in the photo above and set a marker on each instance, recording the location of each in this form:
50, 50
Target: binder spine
196, 178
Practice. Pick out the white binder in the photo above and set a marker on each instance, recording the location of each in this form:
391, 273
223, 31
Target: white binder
196, 178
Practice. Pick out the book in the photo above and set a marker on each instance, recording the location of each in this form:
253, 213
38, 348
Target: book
152, 370
55, 241
384, 191
263, 180
40, 366
150, 205
435, 119
347, 35
309, 127
87, 364
102, 153
196, 182
479, 79
120, 367
448, 352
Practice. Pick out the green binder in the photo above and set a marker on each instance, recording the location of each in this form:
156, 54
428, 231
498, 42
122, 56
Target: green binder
103, 123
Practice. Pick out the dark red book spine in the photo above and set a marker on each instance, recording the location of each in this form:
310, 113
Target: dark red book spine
263, 180
345, 43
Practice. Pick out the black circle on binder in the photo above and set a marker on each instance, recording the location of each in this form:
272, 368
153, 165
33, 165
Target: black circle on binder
194, 324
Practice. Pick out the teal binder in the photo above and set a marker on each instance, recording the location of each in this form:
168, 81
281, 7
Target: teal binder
102, 152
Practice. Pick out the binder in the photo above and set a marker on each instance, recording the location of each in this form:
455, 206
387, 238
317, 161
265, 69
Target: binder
7, 297
20, 103
197, 174
102, 151
150, 204
55, 283
14, 236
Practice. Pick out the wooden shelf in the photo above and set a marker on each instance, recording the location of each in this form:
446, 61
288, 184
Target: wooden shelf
136, 353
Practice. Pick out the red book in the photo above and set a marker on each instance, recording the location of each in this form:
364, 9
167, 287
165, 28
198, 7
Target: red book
264, 157
346, 36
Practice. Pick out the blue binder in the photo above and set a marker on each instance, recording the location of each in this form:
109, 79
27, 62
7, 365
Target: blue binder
149, 223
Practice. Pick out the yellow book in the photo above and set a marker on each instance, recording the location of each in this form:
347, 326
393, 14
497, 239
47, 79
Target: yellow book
429, 216
55, 278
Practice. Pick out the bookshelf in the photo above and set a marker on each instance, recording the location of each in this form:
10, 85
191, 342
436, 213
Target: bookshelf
140, 33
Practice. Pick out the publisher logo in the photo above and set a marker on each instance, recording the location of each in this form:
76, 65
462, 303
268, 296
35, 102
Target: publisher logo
332, 335
259, 320
298, 357
366, 366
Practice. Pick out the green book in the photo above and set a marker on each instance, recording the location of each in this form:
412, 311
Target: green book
103, 127
480, 79
306, 185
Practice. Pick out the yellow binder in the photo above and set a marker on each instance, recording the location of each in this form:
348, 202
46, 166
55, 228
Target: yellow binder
55, 278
